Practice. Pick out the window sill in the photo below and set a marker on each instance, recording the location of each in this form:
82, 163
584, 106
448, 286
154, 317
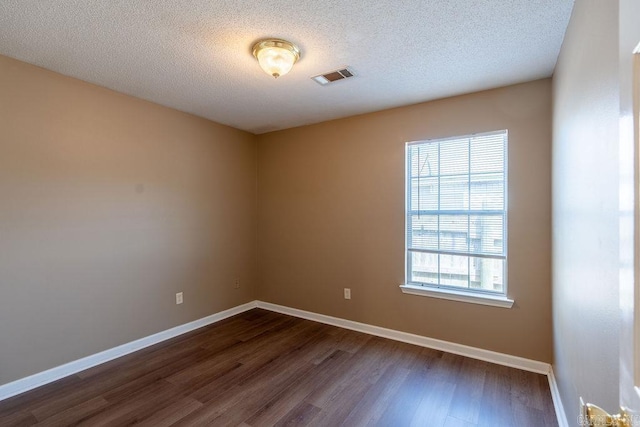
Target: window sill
495, 301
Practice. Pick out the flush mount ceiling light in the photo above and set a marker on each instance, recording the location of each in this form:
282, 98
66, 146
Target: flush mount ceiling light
276, 56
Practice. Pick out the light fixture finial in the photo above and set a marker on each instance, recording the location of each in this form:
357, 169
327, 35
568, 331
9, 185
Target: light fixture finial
276, 56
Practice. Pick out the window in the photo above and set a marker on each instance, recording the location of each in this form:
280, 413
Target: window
457, 214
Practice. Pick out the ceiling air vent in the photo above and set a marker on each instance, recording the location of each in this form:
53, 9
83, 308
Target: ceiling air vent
333, 76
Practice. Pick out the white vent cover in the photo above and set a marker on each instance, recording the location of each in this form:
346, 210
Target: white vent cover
333, 76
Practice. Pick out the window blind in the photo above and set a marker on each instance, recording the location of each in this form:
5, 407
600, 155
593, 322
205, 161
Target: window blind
456, 212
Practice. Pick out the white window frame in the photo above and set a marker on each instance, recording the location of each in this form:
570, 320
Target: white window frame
469, 295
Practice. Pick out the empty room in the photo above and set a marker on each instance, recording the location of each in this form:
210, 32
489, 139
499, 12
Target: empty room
291, 213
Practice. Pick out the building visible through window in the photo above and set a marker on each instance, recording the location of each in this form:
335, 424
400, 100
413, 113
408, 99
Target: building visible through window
456, 212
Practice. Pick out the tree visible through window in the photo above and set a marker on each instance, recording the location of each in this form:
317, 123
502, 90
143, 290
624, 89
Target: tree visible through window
456, 212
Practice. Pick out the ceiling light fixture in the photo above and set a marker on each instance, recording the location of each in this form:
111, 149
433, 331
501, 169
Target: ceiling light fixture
275, 56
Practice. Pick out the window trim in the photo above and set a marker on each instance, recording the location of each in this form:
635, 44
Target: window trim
476, 296
473, 297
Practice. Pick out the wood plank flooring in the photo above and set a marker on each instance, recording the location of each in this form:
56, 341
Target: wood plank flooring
263, 369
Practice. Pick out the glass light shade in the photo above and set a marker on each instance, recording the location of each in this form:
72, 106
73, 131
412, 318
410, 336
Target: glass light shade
276, 57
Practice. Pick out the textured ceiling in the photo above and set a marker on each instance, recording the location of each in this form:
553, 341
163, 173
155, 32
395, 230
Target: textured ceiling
195, 55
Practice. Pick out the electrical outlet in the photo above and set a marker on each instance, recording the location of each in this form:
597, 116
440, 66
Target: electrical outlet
347, 293
236, 285
179, 298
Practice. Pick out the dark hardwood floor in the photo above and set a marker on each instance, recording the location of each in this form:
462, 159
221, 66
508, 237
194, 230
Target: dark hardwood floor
261, 369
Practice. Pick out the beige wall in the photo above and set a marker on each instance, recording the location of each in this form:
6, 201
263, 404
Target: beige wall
111, 205
331, 215
585, 208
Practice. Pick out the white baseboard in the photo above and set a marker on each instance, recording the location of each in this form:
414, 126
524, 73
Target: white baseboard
557, 401
48, 376
449, 347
